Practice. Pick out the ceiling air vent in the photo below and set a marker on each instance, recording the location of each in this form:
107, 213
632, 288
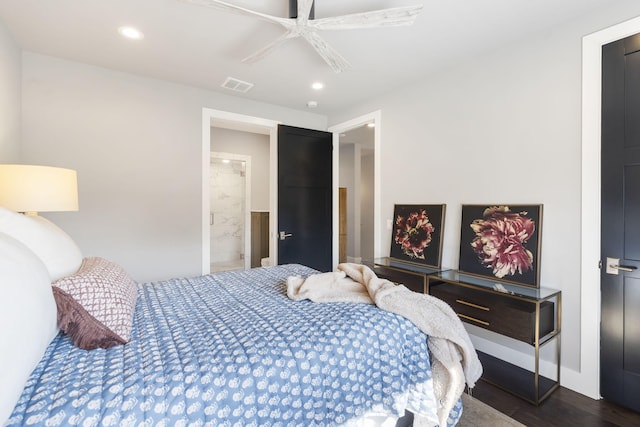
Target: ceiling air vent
237, 85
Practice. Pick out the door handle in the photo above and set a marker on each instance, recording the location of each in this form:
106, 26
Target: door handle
624, 267
613, 266
284, 235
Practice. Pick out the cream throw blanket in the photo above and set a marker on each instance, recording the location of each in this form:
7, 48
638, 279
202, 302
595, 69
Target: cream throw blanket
453, 358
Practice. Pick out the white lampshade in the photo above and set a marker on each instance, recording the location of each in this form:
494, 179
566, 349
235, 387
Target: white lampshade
32, 189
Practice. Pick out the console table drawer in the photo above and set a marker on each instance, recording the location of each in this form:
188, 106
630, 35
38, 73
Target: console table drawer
501, 314
413, 281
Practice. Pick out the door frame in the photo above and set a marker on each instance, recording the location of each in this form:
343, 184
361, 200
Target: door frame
246, 244
374, 117
585, 380
217, 118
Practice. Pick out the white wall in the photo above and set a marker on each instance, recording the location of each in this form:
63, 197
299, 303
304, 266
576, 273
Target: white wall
503, 127
251, 144
10, 98
137, 145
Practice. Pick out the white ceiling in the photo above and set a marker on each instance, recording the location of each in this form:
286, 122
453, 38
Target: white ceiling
201, 47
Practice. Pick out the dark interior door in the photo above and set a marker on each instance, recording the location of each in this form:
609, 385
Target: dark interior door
305, 197
620, 229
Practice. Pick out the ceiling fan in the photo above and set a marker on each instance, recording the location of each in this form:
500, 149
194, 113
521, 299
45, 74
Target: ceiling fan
303, 25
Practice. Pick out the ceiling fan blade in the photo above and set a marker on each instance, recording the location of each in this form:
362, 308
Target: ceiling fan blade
393, 17
304, 9
228, 7
329, 54
257, 56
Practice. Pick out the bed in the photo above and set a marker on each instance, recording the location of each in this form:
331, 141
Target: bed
230, 349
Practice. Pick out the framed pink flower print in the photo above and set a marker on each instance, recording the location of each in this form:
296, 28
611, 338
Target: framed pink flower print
417, 234
502, 241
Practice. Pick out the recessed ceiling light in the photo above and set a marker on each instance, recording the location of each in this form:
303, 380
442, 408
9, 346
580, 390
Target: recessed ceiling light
312, 104
317, 86
131, 33
371, 125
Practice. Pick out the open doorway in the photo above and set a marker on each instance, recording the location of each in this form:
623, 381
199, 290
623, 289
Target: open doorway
254, 140
357, 158
238, 240
358, 182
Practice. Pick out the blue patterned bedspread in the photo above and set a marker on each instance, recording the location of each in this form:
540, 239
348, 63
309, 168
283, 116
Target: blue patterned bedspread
230, 349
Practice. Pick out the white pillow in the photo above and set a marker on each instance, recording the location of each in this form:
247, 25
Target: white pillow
55, 248
28, 318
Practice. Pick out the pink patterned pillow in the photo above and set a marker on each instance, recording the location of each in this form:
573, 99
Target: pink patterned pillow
96, 304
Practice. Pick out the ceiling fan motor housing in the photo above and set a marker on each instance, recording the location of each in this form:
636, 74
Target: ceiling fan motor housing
293, 9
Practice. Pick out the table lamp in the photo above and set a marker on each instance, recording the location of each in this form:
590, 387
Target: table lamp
31, 189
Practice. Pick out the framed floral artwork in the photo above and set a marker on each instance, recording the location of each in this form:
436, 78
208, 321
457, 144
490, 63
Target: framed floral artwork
417, 234
502, 241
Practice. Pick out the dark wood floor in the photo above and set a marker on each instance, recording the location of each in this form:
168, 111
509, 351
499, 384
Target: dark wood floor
564, 408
